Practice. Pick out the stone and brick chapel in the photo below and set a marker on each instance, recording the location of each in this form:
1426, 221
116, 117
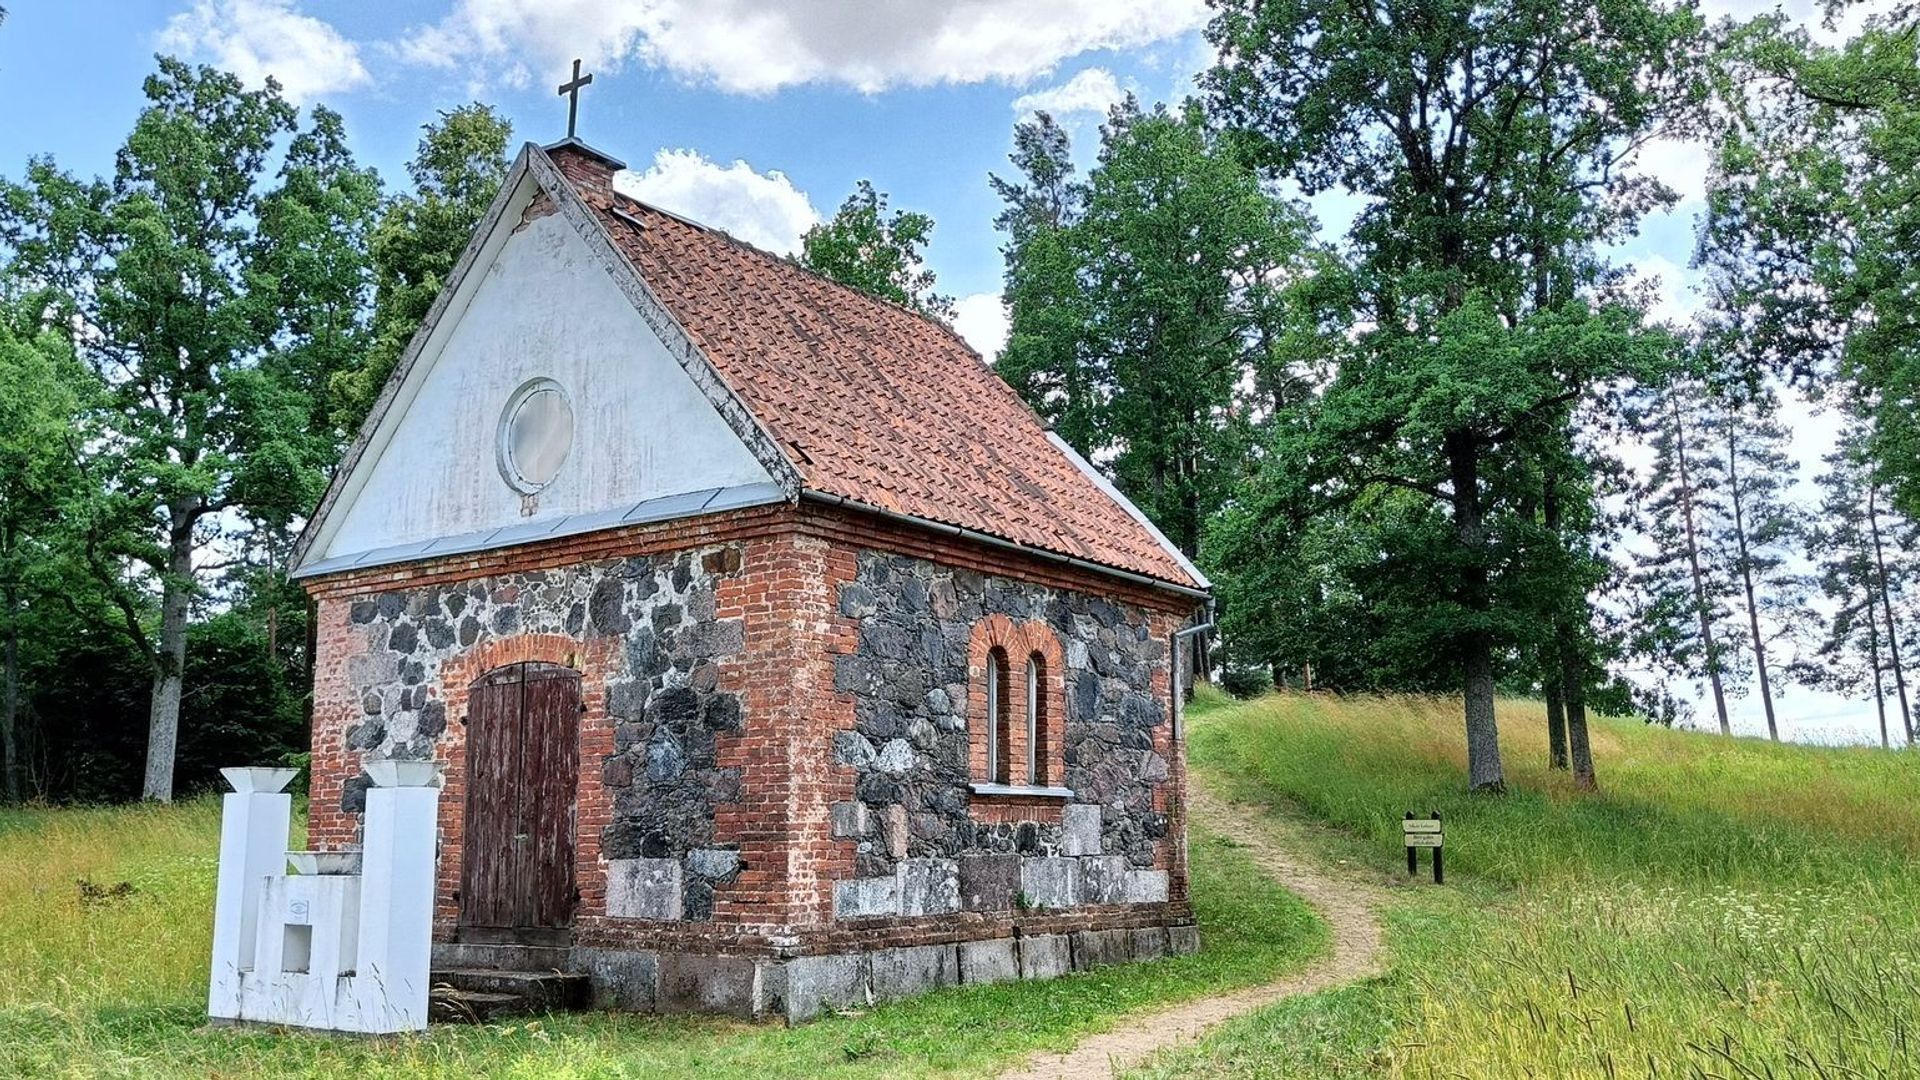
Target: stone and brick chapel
778, 658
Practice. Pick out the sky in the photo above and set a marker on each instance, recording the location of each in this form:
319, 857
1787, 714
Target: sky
756, 116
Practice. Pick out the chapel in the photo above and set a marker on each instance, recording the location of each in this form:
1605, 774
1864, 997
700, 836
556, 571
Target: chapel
779, 659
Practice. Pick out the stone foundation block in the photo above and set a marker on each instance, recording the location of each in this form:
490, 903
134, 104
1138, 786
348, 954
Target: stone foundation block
621, 980
1149, 943
1183, 940
929, 886
1100, 948
1050, 882
989, 882
863, 897
729, 985
899, 973
1080, 829
644, 888
1103, 879
992, 961
1146, 887
817, 984
1046, 957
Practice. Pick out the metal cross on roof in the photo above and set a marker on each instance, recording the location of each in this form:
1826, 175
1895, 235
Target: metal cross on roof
571, 91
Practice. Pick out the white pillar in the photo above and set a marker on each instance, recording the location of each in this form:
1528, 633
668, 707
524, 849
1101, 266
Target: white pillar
253, 843
399, 842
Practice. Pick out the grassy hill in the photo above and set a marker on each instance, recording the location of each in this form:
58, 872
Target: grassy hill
1723, 908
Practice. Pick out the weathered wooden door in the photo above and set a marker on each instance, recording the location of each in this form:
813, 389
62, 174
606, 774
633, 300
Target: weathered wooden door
523, 724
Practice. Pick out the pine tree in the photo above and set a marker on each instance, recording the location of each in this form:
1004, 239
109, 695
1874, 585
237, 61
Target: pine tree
1860, 651
1682, 595
1760, 531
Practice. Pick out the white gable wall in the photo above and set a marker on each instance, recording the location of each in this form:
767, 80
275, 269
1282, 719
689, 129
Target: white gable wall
544, 307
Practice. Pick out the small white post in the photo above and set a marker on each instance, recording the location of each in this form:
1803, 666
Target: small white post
254, 822
399, 841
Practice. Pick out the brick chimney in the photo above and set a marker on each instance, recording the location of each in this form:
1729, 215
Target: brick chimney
587, 169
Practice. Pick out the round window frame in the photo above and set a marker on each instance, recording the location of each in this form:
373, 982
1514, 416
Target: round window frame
503, 435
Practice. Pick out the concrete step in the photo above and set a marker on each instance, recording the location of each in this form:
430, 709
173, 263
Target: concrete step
466, 954
476, 995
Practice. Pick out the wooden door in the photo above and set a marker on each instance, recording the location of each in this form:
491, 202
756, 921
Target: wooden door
523, 724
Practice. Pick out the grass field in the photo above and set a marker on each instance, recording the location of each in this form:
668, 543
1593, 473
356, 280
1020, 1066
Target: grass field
1724, 908
98, 984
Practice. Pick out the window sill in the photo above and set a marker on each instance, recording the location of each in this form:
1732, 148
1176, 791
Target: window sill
1021, 791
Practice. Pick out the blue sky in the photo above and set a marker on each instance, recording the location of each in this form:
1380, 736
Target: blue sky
754, 115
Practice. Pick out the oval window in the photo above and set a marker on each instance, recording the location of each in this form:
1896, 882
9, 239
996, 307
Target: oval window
536, 432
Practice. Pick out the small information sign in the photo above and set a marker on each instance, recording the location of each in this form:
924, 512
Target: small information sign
1423, 832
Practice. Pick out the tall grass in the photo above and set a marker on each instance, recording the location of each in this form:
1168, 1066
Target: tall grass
1722, 908
111, 982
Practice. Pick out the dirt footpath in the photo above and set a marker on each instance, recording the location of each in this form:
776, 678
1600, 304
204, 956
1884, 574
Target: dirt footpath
1344, 899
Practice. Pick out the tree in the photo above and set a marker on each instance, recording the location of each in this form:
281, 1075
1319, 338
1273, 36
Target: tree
456, 171
1493, 147
1682, 595
879, 255
1045, 358
1180, 249
175, 299
40, 382
1760, 531
1861, 651
1813, 207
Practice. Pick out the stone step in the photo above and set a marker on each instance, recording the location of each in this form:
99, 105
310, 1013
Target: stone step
549, 991
445, 1005
451, 955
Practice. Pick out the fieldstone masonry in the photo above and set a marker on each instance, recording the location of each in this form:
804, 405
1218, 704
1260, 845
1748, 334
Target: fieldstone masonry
920, 847
664, 700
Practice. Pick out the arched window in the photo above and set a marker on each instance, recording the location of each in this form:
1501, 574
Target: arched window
999, 748
1036, 726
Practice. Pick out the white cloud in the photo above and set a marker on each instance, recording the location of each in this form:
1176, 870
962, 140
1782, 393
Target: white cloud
758, 46
981, 319
1675, 293
763, 209
257, 38
1093, 90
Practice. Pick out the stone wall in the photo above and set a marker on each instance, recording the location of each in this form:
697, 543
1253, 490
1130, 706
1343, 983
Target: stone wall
651, 650
925, 842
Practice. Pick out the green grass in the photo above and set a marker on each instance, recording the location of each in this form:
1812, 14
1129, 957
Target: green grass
1723, 908
116, 987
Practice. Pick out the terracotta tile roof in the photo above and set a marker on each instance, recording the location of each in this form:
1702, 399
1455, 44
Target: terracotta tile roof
874, 403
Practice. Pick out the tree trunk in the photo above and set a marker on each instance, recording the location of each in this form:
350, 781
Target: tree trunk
1879, 687
1886, 606
1574, 683
1556, 720
163, 717
1699, 578
1746, 583
10, 770
1484, 772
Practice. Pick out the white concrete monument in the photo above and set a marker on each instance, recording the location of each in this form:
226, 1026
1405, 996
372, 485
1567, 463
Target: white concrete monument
344, 944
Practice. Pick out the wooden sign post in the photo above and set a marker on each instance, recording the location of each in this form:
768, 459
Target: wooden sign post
1423, 833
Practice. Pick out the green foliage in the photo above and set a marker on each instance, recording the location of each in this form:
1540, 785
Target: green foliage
456, 171
1493, 148
1813, 209
863, 248
1149, 302
211, 304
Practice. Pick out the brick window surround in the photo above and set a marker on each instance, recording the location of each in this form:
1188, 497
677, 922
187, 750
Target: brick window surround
1000, 643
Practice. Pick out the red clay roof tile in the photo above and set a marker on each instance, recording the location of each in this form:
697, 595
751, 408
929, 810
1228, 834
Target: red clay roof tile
875, 403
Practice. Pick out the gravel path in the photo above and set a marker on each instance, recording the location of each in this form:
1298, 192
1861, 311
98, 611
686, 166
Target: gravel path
1344, 899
